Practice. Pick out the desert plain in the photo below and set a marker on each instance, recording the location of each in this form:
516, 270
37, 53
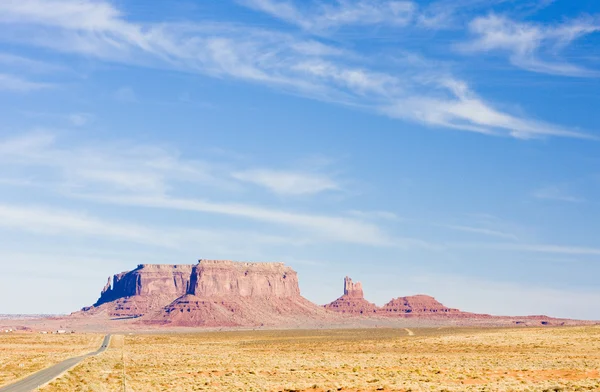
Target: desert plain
385, 359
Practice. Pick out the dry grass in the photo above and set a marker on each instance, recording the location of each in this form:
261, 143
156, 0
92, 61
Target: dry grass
101, 373
543, 359
24, 353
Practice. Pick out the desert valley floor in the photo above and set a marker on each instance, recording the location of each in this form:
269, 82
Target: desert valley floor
388, 359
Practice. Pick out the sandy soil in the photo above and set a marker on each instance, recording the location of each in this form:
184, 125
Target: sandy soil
24, 353
433, 359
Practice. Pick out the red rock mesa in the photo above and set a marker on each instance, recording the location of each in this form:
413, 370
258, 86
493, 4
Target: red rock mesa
211, 293
353, 302
218, 293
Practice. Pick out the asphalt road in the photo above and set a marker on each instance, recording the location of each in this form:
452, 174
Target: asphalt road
30, 383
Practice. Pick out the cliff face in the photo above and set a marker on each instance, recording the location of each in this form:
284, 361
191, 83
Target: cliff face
351, 289
219, 293
210, 293
147, 287
148, 279
227, 293
223, 278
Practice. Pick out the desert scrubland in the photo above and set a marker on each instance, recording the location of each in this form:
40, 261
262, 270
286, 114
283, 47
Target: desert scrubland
24, 353
446, 359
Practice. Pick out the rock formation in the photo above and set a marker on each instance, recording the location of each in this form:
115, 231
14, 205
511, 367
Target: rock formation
222, 293
351, 289
210, 293
148, 287
353, 301
222, 278
226, 293
416, 304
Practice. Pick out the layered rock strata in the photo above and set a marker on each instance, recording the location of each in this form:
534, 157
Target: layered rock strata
226, 293
222, 293
416, 304
146, 288
210, 293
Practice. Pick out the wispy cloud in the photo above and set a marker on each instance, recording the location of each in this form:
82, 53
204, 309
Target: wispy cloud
318, 16
478, 294
119, 167
465, 111
150, 176
324, 227
530, 247
557, 193
21, 63
481, 230
287, 182
534, 47
290, 63
17, 84
79, 119
385, 215
125, 95
52, 221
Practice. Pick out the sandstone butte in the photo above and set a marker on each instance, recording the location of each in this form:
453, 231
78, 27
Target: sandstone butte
353, 302
223, 293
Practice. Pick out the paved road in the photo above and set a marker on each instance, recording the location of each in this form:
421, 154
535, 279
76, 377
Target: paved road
44, 376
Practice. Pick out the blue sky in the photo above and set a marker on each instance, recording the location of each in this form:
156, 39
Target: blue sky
441, 147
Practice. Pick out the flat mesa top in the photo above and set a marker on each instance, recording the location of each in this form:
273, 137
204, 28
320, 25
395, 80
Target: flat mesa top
273, 266
218, 263
159, 267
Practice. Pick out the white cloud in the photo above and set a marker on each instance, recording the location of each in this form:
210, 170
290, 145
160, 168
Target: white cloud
286, 62
148, 176
481, 230
544, 248
527, 43
118, 167
17, 84
73, 14
557, 193
79, 119
465, 111
287, 182
321, 227
24, 63
47, 220
530, 247
318, 17
385, 215
125, 95
56, 222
